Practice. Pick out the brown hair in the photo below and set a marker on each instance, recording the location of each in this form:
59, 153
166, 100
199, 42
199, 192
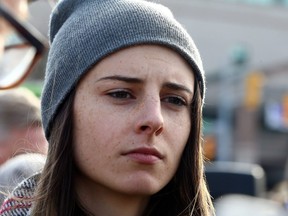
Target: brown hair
186, 194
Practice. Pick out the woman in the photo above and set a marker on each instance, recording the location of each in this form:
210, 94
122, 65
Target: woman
122, 110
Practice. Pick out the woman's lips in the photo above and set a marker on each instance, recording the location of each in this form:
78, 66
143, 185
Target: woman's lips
144, 155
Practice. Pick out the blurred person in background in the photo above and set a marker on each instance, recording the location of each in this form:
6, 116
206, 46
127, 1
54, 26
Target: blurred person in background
18, 168
23, 146
20, 124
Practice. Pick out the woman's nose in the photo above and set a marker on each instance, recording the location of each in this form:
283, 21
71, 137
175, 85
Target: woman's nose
150, 119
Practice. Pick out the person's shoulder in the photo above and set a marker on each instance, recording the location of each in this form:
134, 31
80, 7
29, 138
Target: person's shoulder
20, 200
20, 167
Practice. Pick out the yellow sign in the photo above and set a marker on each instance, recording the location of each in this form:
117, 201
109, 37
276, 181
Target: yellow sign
253, 90
285, 110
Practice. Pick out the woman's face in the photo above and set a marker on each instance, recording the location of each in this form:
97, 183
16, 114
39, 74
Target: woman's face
132, 120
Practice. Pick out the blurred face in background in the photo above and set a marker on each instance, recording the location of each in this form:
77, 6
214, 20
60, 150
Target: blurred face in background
20, 141
20, 124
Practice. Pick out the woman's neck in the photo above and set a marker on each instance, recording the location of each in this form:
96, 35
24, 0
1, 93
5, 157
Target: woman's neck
103, 201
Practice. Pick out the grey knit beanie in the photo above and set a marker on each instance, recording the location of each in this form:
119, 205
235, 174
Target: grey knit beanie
82, 32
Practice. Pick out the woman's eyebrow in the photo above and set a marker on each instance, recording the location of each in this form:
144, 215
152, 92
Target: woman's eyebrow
169, 85
121, 78
177, 87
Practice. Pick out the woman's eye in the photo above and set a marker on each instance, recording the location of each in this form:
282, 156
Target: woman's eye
175, 100
120, 94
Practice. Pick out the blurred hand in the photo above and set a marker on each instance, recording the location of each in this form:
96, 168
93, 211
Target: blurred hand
20, 9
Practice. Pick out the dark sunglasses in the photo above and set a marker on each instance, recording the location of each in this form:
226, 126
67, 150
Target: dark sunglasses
23, 50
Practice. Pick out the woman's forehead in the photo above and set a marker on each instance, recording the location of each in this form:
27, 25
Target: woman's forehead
142, 61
